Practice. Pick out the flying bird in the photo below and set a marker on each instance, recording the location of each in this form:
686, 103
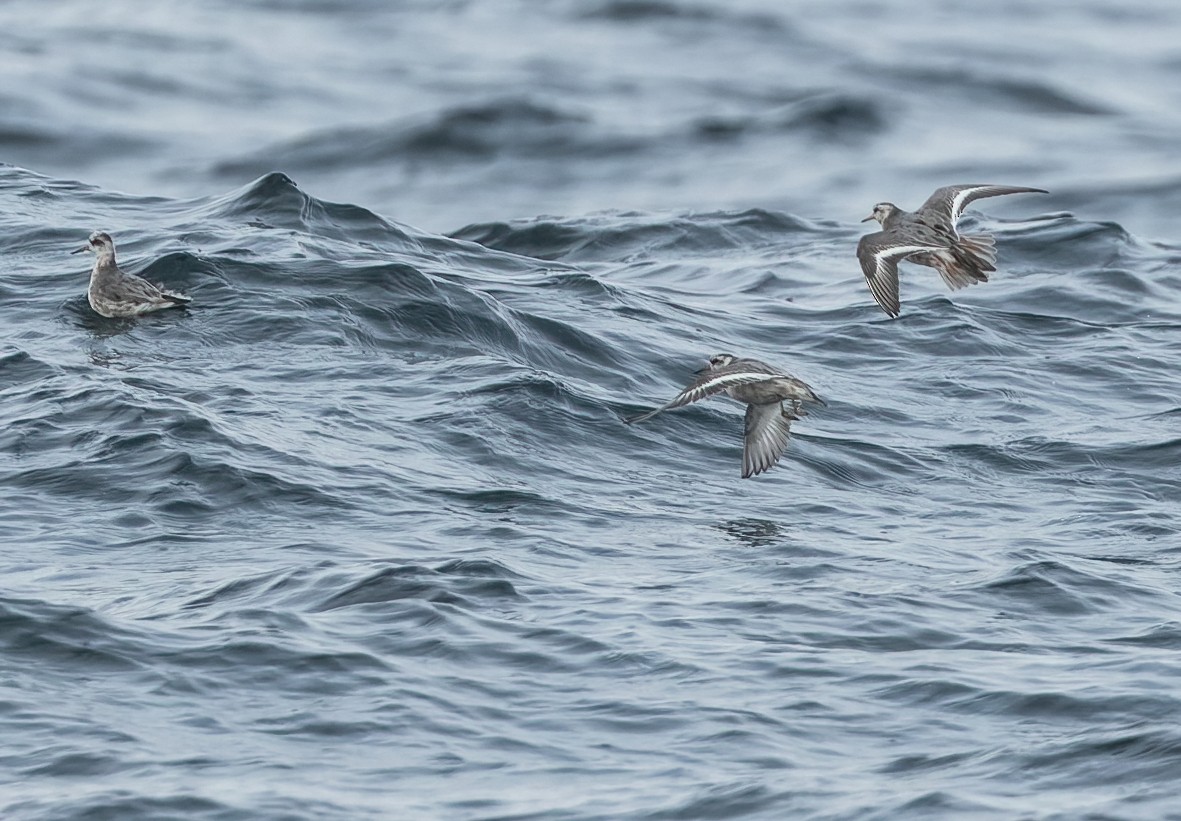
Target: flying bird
928, 237
764, 389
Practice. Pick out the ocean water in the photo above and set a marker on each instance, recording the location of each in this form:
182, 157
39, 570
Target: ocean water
361, 535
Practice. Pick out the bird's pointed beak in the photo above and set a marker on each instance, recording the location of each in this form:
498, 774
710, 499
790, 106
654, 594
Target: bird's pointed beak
867, 219
80, 250
702, 370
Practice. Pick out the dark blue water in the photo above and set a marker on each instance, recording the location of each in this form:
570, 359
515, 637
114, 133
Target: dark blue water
361, 535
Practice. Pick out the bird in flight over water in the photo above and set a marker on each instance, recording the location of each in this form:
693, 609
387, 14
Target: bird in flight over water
928, 237
764, 389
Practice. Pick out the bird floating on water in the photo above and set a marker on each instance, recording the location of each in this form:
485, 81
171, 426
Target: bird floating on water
928, 237
116, 293
764, 389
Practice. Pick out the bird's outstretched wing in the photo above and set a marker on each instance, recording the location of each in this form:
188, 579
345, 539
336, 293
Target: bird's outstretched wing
947, 204
708, 384
879, 254
767, 430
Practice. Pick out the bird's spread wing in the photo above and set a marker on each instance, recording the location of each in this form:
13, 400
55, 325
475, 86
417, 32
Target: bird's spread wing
767, 430
708, 384
949, 202
879, 255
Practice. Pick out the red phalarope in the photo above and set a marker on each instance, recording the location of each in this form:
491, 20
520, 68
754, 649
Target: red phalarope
928, 237
764, 389
116, 293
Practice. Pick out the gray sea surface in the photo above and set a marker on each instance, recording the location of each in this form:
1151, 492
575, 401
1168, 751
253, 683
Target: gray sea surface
362, 534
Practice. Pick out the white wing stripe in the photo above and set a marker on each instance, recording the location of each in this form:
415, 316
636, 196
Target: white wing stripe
957, 203
900, 251
734, 378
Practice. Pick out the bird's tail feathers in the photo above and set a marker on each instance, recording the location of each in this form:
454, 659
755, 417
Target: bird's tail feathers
805, 393
979, 247
960, 268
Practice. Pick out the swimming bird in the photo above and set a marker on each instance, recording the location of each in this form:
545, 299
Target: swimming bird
764, 389
114, 292
928, 237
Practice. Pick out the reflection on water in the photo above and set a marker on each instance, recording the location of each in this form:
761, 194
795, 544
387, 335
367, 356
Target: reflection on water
754, 532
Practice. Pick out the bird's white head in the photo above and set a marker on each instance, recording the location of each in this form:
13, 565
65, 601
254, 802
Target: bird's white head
100, 243
882, 212
718, 360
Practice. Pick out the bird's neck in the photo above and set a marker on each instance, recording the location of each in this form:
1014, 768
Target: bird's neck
105, 259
